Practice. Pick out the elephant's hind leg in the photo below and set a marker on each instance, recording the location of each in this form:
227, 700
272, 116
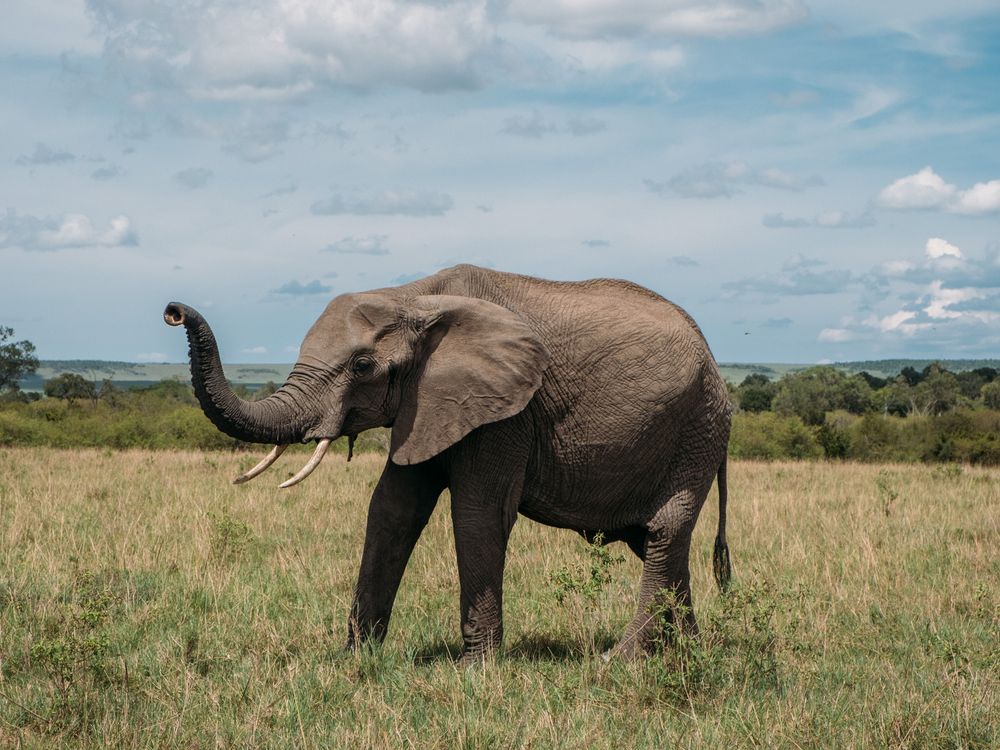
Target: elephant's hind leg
665, 586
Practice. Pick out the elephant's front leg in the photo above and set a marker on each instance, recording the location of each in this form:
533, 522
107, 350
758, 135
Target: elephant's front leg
400, 507
486, 488
481, 546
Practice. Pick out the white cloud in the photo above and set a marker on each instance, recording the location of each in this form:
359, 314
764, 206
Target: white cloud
72, 230
939, 248
275, 49
255, 350
927, 190
835, 335
897, 267
872, 101
941, 299
981, 198
151, 357
898, 322
373, 244
696, 18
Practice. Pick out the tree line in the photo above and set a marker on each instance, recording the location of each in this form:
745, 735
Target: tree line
820, 412
918, 415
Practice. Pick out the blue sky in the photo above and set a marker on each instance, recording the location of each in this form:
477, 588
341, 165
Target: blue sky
813, 181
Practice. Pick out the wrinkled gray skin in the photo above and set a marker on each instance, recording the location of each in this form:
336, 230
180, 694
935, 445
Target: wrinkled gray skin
593, 406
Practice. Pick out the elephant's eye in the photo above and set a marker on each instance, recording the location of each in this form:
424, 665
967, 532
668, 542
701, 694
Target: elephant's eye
363, 365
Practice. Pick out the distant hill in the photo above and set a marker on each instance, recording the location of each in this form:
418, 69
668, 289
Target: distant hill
885, 367
139, 375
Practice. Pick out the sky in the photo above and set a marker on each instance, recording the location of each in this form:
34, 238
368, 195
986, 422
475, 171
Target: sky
813, 180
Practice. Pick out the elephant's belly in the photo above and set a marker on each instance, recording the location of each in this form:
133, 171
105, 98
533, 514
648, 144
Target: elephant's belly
604, 495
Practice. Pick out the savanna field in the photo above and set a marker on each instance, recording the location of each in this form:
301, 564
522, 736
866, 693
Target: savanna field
147, 602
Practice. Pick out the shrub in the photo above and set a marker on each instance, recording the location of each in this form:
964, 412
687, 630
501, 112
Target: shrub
769, 436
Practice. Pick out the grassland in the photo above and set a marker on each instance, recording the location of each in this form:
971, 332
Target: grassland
146, 602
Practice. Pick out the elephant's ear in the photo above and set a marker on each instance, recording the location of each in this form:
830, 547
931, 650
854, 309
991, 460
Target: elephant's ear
478, 363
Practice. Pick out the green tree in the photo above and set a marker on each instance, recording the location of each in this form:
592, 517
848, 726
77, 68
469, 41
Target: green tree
70, 386
17, 361
109, 393
894, 398
812, 393
756, 393
991, 394
873, 382
937, 391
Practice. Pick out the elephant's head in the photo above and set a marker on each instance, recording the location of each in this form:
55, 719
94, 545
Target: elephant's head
432, 367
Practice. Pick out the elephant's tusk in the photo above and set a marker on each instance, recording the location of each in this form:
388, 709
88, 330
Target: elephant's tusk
260, 468
313, 463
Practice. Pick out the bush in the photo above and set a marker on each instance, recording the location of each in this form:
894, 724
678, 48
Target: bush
769, 436
991, 395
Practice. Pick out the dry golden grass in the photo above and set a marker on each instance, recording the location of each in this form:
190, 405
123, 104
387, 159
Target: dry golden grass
147, 602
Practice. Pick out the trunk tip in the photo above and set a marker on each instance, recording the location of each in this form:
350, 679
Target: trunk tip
175, 314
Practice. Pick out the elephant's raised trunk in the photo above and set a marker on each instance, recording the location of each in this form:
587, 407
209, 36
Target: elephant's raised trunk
281, 418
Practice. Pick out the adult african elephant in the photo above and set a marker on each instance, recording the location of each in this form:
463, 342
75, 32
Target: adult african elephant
593, 406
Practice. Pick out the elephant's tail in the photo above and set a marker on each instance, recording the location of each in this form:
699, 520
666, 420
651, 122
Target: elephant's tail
720, 556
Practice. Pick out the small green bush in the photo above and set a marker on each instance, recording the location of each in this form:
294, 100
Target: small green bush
769, 436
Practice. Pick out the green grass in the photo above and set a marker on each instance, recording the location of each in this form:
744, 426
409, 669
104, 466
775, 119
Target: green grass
146, 602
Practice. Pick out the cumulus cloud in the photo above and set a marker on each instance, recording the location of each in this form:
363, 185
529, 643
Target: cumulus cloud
942, 262
927, 190
194, 177
387, 202
981, 198
695, 18
45, 155
71, 230
939, 248
825, 220
373, 244
255, 350
725, 179
948, 298
297, 288
272, 50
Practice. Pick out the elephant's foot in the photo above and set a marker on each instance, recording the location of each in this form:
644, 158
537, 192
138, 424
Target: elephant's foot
480, 643
630, 648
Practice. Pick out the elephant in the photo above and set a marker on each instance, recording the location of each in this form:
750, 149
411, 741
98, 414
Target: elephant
594, 406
